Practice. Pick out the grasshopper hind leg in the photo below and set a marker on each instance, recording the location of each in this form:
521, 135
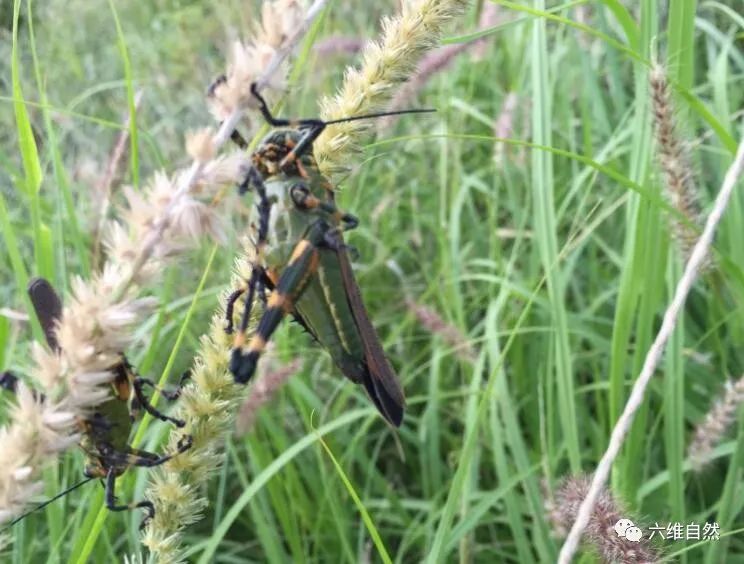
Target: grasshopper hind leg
302, 264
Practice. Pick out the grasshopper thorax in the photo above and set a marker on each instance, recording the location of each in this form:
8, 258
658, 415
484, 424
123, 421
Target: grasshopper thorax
275, 147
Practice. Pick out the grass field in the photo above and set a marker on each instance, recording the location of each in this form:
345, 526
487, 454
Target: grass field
528, 213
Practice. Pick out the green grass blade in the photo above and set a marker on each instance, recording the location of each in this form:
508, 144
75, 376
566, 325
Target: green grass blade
131, 103
545, 226
270, 472
368, 522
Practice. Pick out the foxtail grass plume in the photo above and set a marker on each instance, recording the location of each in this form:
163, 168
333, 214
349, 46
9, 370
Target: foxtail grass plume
37, 432
710, 432
435, 62
601, 533
386, 65
208, 405
653, 356
679, 182
250, 60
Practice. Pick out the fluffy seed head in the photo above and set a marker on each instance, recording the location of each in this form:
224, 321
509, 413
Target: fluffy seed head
711, 431
563, 506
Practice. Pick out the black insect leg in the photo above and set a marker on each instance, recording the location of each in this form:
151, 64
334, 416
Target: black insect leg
258, 274
170, 395
144, 401
111, 500
143, 458
115, 461
236, 137
230, 309
305, 200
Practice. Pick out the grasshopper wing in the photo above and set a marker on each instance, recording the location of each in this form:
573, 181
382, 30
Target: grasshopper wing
378, 377
48, 308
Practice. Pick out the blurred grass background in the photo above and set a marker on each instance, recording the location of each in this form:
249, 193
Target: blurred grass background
553, 259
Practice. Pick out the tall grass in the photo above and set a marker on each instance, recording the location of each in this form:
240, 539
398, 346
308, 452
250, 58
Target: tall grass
554, 262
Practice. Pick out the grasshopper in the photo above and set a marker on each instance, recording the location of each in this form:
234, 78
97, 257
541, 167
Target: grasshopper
302, 260
105, 432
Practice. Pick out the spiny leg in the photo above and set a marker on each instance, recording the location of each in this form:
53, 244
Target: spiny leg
144, 401
305, 200
170, 395
258, 274
252, 178
113, 459
302, 264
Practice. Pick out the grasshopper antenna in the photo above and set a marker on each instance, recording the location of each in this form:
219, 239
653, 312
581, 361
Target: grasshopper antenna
47, 502
382, 114
319, 124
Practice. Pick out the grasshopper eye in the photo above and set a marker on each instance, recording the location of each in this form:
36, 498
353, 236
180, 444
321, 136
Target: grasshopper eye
299, 194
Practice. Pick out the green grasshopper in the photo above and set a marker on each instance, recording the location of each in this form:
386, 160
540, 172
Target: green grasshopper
302, 259
105, 432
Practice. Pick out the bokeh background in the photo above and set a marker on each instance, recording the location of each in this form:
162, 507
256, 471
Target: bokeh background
514, 254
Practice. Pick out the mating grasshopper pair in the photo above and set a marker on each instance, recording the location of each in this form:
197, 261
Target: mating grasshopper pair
105, 432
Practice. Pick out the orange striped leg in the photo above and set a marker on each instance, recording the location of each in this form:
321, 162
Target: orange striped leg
302, 265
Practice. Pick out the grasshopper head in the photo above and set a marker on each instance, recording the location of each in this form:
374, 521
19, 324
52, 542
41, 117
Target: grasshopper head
274, 147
